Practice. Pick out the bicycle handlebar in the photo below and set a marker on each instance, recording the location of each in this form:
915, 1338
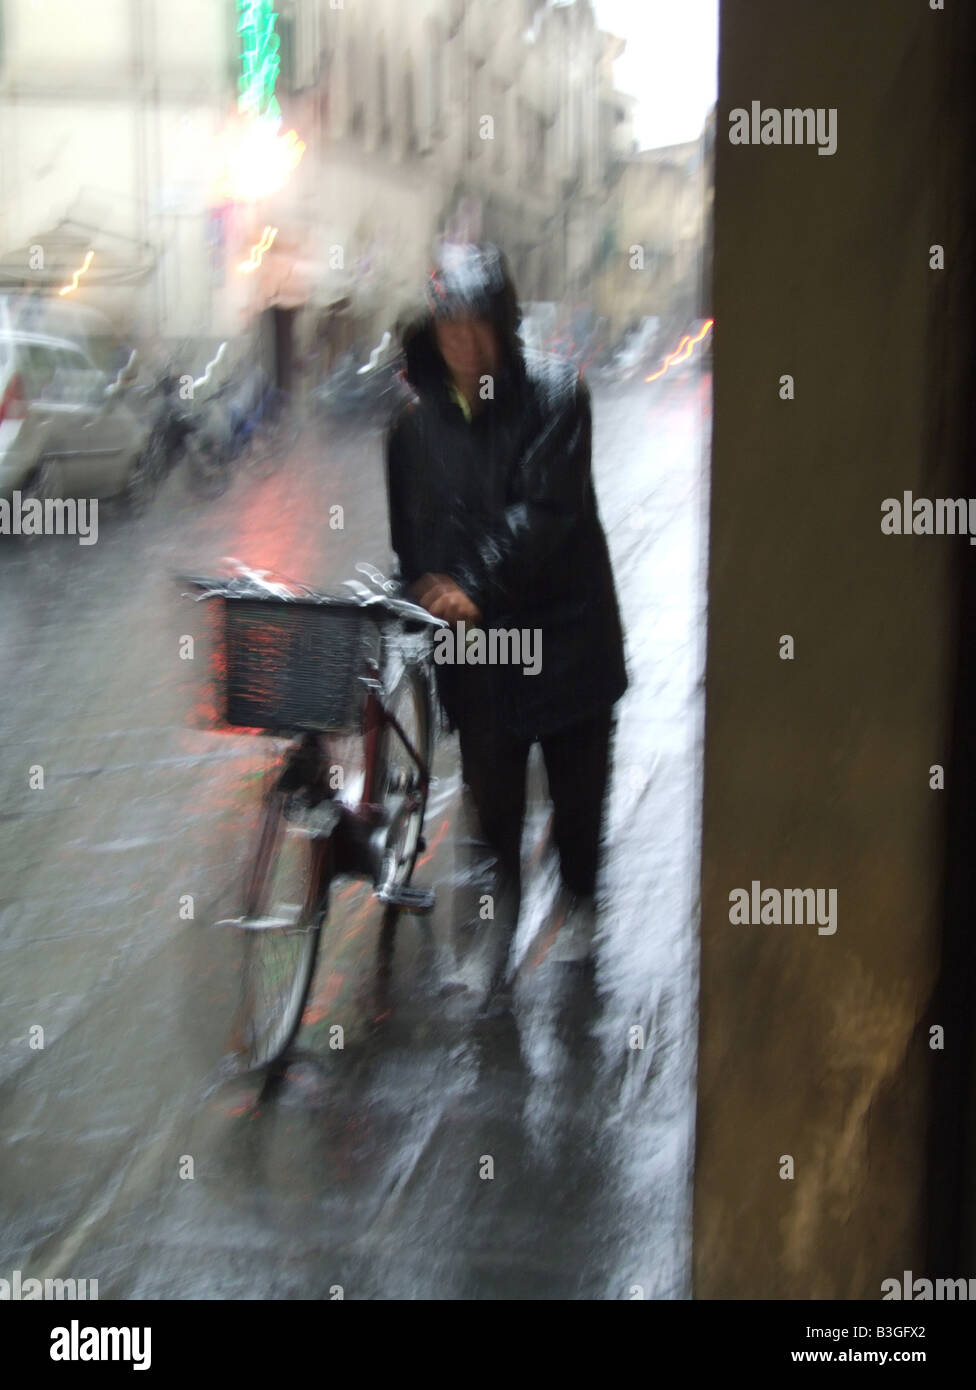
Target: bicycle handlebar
254, 584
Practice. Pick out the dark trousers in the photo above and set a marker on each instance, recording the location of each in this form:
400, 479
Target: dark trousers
494, 771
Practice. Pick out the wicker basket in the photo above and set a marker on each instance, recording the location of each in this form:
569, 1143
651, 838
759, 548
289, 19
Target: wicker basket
292, 665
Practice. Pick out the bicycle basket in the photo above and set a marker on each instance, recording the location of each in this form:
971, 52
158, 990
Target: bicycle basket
290, 665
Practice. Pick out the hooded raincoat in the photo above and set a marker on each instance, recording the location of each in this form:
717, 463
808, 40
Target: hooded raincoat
504, 504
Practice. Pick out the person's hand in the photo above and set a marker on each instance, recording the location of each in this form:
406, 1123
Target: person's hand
425, 586
443, 598
453, 605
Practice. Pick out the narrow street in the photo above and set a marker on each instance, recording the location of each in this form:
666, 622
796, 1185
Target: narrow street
365, 1172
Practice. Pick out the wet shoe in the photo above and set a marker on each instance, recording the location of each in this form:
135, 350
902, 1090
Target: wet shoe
574, 944
470, 978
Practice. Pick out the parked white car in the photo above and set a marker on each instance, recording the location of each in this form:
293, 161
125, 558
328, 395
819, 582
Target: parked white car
65, 428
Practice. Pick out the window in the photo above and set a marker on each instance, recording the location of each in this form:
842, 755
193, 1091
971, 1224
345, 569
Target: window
61, 375
382, 102
287, 71
409, 114
38, 369
435, 80
353, 90
76, 381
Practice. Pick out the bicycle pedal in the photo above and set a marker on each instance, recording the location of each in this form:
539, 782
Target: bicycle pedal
314, 821
416, 900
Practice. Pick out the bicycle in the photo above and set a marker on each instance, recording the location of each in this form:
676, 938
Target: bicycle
315, 666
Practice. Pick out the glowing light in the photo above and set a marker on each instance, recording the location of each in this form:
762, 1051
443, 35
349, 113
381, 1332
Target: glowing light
209, 369
70, 289
683, 351
256, 161
258, 250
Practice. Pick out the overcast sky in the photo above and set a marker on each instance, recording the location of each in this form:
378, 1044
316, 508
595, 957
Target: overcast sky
670, 63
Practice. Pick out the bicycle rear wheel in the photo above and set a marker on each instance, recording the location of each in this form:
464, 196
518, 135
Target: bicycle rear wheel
282, 923
143, 481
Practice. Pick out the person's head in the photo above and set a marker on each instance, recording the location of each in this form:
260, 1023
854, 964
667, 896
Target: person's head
470, 324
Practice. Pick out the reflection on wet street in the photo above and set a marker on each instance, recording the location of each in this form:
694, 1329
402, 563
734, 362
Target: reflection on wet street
543, 1155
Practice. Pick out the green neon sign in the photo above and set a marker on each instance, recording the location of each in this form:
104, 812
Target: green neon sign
260, 62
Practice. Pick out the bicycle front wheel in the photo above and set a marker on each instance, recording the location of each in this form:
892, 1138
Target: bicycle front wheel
281, 926
402, 788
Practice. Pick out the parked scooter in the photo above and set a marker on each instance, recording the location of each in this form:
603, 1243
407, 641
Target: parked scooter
371, 389
248, 422
264, 423
174, 437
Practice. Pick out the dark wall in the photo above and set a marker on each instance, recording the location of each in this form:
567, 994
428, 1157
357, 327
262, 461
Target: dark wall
817, 768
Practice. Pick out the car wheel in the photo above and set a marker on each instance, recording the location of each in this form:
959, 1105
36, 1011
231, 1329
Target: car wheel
41, 485
140, 485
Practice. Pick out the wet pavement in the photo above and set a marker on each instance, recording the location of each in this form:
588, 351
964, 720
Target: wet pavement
431, 1156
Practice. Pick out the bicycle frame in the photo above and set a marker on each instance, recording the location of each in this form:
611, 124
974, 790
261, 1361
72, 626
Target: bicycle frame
306, 768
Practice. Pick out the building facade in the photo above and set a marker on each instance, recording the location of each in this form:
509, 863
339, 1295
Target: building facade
659, 239
458, 118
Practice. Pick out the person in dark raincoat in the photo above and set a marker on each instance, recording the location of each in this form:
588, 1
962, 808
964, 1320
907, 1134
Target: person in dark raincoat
494, 522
